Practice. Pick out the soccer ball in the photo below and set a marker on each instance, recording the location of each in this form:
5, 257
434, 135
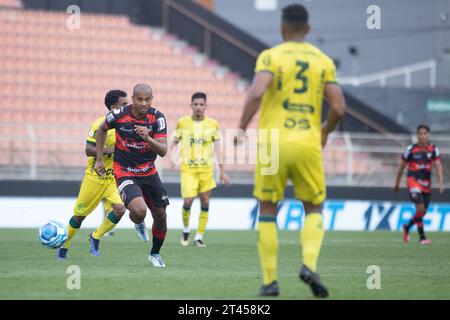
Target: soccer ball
52, 234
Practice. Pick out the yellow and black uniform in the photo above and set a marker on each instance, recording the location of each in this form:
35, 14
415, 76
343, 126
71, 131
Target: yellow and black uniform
291, 114
197, 154
95, 189
289, 144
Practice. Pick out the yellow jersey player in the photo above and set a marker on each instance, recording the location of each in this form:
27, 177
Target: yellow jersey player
199, 138
95, 188
290, 82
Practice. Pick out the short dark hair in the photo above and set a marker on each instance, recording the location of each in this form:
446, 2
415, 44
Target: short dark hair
198, 95
423, 126
295, 15
113, 96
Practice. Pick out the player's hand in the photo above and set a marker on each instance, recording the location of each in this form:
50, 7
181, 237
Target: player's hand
225, 179
324, 137
99, 168
396, 188
441, 189
142, 132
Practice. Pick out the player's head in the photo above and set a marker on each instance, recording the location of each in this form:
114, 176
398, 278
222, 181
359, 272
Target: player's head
294, 22
115, 99
423, 134
198, 104
142, 97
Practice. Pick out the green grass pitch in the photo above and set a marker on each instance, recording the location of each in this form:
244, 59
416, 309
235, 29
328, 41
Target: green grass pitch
228, 268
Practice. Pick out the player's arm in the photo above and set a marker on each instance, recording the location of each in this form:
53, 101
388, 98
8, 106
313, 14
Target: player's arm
336, 103
219, 155
260, 84
400, 170
100, 138
440, 175
173, 145
91, 150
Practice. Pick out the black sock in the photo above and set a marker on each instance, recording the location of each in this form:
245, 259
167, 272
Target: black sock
157, 244
410, 224
421, 233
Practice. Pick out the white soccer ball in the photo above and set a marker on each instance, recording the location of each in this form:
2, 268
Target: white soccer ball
53, 234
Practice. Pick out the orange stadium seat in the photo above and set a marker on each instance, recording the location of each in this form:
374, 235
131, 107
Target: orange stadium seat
55, 78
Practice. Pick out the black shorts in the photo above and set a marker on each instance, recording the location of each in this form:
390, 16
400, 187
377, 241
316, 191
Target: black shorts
150, 188
420, 197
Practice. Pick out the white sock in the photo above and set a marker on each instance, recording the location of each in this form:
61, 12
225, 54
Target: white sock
198, 237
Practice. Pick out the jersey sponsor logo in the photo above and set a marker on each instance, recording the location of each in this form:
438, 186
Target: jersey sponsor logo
304, 108
137, 146
161, 124
197, 141
126, 130
92, 133
124, 184
197, 162
138, 170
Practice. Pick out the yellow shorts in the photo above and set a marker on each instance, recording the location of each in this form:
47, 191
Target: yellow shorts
302, 164
193, 183
92, 192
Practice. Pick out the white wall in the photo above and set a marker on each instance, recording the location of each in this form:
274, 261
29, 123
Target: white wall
234, 213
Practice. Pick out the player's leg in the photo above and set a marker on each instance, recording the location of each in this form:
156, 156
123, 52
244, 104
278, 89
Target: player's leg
426, 203
117, 210
268, 247
311, 238
269, 189
107, 208
418, 200
189, 190
207, 183
309, 184
186, 212
203, 218
157, 200
133, 199
88, 199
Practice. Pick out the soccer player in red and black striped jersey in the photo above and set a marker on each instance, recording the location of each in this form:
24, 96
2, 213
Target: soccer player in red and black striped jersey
419, 158
141, 135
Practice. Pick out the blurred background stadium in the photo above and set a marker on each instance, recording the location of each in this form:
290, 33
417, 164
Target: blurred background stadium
53, 75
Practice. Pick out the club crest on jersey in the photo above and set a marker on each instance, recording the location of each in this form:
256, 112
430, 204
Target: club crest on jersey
429, 155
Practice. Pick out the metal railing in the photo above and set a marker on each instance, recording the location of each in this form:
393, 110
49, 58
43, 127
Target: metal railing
37, 152
405, 71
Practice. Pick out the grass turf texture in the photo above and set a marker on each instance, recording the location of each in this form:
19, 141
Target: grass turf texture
228, 268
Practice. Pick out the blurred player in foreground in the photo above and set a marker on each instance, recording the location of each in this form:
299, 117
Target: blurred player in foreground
419, 157
290, 82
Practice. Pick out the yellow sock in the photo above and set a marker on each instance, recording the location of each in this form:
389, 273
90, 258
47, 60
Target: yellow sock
109, 222
202, 221
311, 238
186, 215
72, 229
268, 247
